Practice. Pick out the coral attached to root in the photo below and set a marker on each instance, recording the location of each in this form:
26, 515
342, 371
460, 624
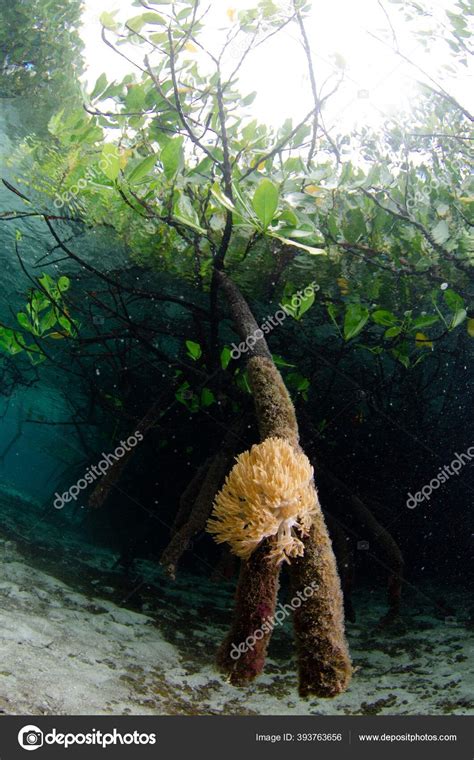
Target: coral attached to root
269, 493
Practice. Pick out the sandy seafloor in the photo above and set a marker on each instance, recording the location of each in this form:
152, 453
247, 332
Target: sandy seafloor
70, 644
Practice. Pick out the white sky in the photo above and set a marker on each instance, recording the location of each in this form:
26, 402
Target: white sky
377, 82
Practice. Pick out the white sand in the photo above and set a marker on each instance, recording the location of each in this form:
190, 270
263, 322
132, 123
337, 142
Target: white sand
66, 652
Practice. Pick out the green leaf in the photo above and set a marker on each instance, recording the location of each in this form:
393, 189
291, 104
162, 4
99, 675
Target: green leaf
108, 20
373, 349
55, 124
296, 244
11, 341
207, 397
99, 86
47, 283
24, 321
222, 198
185, 395
401, 355
385, 318
142, 169
332, 311
354, 228
355, 318
153, 18
225, 357
39, 301
453, 301
280, 362
241, 381
421, 322
136, 23
66, 324
333, 226
248, 100
299, 383
265, 202
458, 318
184, 212
64, 283
194, 350
306, 303
111, 157
172, 157
47, 321
392, 332
440, 232
297, 311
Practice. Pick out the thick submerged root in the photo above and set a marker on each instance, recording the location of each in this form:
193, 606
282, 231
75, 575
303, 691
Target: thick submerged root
324, 665
242, 654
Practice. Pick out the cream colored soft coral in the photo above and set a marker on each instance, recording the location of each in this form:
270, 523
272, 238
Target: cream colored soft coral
269, 493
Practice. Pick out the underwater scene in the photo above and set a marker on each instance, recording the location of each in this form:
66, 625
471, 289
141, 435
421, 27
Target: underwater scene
236, 337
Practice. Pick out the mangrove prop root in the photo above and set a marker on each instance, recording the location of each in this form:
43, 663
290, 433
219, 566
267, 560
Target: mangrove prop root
274, 408
242, 654
323, 659
257, 587
384, 542
324, 663
189, 496
345, 563
201, 510
389, 550
105, 486
114, 474
242, 317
